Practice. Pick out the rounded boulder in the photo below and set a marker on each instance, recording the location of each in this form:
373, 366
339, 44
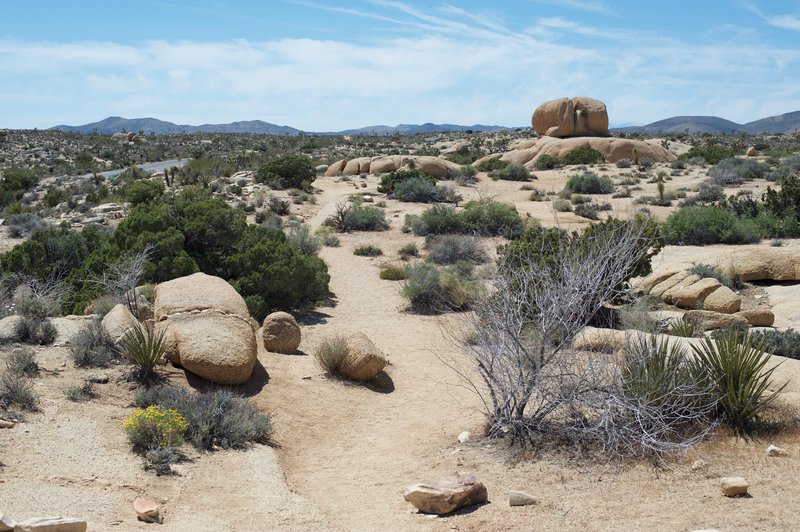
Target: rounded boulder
281, 333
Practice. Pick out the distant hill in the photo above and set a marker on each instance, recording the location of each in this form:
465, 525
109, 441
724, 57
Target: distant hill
785, 123
150, 126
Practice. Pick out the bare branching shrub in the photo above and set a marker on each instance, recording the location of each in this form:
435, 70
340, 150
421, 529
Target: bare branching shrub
121, 279
531, 380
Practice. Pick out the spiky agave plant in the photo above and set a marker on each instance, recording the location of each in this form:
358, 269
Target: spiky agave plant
738, 376
143, 346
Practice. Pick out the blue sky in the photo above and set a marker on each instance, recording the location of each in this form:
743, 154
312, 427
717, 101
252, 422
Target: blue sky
329, 65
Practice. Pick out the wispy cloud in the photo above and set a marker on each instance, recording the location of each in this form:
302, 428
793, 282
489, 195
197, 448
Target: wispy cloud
580, 5
787, 22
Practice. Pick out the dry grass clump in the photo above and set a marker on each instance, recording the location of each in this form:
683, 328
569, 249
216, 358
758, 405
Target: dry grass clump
331, 354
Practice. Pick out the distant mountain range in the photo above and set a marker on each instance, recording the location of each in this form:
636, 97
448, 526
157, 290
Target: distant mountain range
785, 123
150, 126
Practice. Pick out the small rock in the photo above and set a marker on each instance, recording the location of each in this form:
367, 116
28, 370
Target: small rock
446, 494
464, 437
6, 424
751, 152
697, 465
99, 378
147, 510
366, 198
520, 498
306, 377
733, 486
51, 524
774, 450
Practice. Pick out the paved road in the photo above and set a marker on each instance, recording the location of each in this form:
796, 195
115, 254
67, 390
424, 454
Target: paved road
147, 167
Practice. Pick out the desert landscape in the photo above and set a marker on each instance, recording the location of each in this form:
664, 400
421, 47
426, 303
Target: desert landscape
588, 321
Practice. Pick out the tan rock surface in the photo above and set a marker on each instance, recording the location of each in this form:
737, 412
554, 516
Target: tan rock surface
197, 292
447, 494
758, 317
281, 333
724, 300
364, 360
709, 320
576, 117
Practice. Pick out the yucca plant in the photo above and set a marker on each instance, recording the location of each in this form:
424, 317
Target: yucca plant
736, 371
143, 346
683, 327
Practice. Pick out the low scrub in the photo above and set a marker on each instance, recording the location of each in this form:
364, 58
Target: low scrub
421, 190
450, 249
91, 347
331, 354
77, 394
782, 343
512, 172
735, 171
706, 270
357, 217
155, 426
699, 226
583, 155
590, 183
430, 291
547, 162
394, 273
218, 418
368, 251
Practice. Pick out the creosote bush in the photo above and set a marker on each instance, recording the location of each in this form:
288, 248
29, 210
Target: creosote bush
590, 183
368, 251
430, 291
583, 155
450, 249
92, 347
357, 217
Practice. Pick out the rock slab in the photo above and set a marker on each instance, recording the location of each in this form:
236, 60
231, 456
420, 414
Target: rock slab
50, 524
520, 498
147, 510
733, 486
447, 494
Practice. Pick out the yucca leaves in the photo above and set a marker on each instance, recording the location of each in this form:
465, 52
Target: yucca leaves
144, 347
738, 375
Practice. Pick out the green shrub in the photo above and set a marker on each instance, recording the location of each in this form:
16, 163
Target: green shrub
782, 343
16, 389
512, 172
490, 218
408, 250
22, 361
390, 181
290, 171
711, 152
735, 171
590, 183
368, 251
15, 182
624, 163
591, 210
450, 249
143, 346
546, 162
737, 374
562, 205
300, 238
357, 217
430, 291
278, 205
92, 347
85, 392
422, 190
583, 155
39, 331
160, 460
684, 327
706, 270
327, 237
394, 273
699, 226
141, 191
491, 165
217, 418
438, 219
636, 316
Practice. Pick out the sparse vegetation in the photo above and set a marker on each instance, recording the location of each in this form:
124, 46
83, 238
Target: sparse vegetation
331, 354
589, 183
368, 250
91, 347
394, 273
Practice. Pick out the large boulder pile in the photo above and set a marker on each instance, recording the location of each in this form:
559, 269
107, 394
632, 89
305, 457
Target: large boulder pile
207, 328
576, 117
435, 166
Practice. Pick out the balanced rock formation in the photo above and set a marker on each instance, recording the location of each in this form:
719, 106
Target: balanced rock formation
576, 117
446, 494
281, 333
207, 328
613, 149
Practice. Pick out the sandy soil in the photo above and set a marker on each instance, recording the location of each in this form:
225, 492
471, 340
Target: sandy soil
344, 453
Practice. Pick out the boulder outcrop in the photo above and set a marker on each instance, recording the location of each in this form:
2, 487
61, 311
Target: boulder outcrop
281, 333
207, 328
576, 117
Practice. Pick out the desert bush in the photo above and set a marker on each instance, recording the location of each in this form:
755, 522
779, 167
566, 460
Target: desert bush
583, 155
394, 273
217, 418
390, 180
300, 238
368, 251
92, 347
449, 249
706, 270
408, 250
160, 460
512, 172
589, 183
357, 217
39, 331
623, 163
490, 218
562, 205
590, 210
155, 426
331, 354
711, 153
141, 191
422, 190
636, 316
22, 361
547, 162
735, 171
16, 390
143, 346
20, 225
782, 343
491, 165
85, 392
703, 225
430, 291
438, 219
547, 288
15, 182
290, 171
737, 375
327, 236
278, 205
